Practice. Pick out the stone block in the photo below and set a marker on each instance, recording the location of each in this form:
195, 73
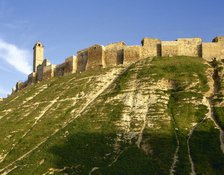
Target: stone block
40, 72
151, 47
82, 58
95, 57
32, 78
169, 48
59, 70
114, 54
71, 65
132, 54
48, 72
218, 39
213, 49
190, 47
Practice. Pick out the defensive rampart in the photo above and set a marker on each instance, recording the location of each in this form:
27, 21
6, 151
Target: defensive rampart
98, 56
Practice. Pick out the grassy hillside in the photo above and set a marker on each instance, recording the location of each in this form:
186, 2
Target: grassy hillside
157, 116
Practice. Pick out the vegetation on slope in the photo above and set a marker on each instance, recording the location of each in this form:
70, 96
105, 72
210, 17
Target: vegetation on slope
149, 118
204, 144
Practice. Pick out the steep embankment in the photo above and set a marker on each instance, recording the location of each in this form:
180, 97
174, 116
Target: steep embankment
153, 117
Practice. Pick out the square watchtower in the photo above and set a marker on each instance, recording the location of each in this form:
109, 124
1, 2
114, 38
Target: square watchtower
38, 55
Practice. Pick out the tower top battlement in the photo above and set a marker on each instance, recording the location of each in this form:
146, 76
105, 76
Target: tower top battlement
38, 44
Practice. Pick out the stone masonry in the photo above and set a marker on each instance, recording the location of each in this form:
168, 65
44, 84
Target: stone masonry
98, 56
82, 57
132, 54
214, 48
114, 54
95, 57
169, 48
38, 55
182, 47
151, 47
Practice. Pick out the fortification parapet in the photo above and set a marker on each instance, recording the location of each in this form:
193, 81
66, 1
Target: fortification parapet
39, 72
70, 65
132, 54
151, 47
46, 62
20, 85
213, 49
114, 54
32, 78
82, 57
218, 39
169, 48
59, 70
119, 44
189, 47
48, 71
95, 57
98, 56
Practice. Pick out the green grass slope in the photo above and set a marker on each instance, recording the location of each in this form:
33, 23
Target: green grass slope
152, 117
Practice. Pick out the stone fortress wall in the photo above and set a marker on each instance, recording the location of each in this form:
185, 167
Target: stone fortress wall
98, 56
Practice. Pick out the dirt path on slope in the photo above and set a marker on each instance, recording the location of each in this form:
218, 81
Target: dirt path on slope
175, 157
40, 89
214, 84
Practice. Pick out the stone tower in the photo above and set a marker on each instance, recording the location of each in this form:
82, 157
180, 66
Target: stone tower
38, 55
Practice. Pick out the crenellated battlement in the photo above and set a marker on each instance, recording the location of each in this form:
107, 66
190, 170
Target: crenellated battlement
98, 56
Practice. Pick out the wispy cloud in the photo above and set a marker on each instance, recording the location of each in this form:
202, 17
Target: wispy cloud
16, 57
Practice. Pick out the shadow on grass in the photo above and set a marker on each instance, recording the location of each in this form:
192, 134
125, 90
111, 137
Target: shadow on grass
205, 149
81, 152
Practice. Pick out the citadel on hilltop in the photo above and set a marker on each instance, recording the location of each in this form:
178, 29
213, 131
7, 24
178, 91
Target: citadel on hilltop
98, 56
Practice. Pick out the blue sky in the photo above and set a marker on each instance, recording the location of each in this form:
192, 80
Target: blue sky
66, 26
